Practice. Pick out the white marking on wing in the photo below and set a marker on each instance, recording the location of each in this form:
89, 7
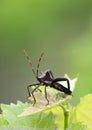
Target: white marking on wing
72, 82
64, 83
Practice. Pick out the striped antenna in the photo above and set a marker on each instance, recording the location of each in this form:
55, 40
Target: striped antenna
38, 64
29, 61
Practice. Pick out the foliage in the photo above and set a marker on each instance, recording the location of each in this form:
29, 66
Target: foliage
58, 115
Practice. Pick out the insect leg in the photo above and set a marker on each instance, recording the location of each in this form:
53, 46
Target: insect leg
61, 79
33, 94
60, 87
51, 74
29, 86
34, 99
46, 96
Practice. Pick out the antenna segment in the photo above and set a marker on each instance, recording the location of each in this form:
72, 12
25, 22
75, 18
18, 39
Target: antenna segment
29, 61
38, 64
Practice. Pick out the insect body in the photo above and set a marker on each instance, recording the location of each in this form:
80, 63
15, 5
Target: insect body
46, 79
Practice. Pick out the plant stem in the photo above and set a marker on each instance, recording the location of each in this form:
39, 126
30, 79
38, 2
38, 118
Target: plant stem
66, 116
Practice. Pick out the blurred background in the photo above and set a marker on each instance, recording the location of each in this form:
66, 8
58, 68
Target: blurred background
61, 29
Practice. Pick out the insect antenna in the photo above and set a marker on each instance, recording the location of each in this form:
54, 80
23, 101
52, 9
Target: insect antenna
29, 61
38, 64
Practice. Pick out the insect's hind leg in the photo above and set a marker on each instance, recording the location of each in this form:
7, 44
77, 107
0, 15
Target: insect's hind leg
61, 79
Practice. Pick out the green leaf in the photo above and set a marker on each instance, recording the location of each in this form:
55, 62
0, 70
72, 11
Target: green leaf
83, 111
3, 121
37, 117
41, 120
59, 117
10, 112
31, 110
77, 126
46, 121
14, 128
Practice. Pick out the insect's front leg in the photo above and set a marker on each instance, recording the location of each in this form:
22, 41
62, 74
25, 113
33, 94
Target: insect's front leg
61, 79
32, 92
29, 86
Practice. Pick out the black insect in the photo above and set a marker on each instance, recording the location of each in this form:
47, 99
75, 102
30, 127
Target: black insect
46, 79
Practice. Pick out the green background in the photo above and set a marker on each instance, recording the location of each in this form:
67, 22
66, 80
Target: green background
62, 29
